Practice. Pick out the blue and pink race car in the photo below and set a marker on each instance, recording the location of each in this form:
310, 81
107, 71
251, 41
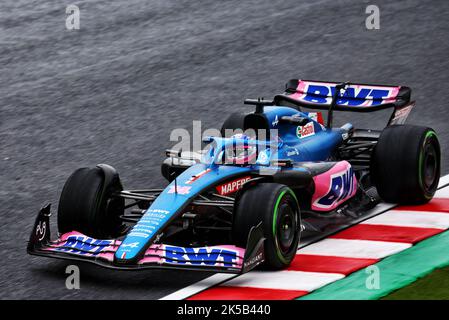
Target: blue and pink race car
275, 177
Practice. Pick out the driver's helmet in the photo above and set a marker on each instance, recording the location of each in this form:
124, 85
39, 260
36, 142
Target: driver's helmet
240, 152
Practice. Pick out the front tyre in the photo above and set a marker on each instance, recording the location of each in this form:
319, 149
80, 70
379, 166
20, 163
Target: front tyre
87, 204
405, 164
276, 206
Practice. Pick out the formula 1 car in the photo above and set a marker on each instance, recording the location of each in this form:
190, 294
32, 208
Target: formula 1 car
281, 174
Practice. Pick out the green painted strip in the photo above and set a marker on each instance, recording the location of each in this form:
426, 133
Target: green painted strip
395, 272
434, 286
276, 208
428, 134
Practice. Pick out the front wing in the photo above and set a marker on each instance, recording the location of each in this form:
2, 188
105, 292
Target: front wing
77, 246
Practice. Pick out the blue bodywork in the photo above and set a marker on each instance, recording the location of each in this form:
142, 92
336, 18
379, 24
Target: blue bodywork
287, 147
316, 146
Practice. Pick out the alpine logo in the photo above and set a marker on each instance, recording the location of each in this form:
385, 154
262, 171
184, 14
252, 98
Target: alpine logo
305, 131
232, 186
130, 245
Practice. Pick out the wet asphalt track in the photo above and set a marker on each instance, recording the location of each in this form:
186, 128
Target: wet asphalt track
112, 91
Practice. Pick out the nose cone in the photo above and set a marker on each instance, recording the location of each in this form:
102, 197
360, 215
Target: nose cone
168, 205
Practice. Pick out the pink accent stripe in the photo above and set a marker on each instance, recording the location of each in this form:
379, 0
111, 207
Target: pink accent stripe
440, 205
247, 293
386, 233
328, 264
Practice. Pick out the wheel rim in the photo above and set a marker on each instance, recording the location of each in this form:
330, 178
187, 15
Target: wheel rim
286, 227
429, 166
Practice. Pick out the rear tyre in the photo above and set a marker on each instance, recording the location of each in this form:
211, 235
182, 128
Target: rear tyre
86, 204
405, 164
234, 121
276, 206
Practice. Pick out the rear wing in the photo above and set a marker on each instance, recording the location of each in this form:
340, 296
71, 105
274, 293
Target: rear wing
354, 97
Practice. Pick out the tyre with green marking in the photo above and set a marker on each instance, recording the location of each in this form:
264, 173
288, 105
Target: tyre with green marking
405, 164
276, 206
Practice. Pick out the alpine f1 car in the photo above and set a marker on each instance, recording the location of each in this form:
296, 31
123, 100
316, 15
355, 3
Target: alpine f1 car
275, 176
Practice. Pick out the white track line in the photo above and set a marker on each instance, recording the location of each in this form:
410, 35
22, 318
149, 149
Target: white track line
444, 181
199, 286
349, 248
418, 219
221, 277
442, 193
284, 280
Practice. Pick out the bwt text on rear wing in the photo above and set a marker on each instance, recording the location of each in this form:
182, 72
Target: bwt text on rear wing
348, 97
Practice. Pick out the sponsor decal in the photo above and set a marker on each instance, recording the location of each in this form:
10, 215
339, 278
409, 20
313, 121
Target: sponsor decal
179, 189
232, 186
153, 212
254, 260
139, 234
316, 116
84, 245
400, 115
196, 177
41, 228
305, 131
221, 255
354, 95
334, 187
275, 121
148, 224
145, 228
292, 152
158, 237
209, 256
